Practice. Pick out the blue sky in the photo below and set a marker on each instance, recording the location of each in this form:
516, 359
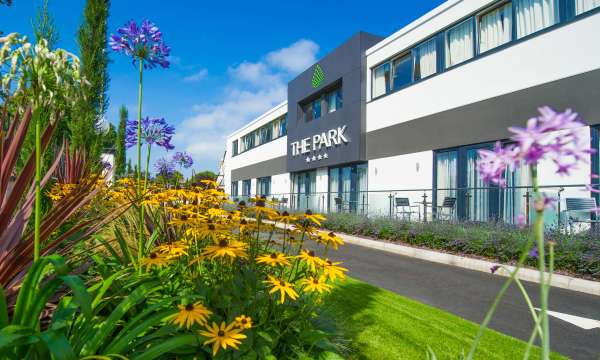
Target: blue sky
231, 60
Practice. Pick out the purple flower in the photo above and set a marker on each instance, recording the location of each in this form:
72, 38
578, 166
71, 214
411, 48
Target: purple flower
154, 131
142, 43
183, 159
521, 220
164, 167
533, 252
552, 136
494, 268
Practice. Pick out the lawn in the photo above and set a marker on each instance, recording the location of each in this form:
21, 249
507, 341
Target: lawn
383, 325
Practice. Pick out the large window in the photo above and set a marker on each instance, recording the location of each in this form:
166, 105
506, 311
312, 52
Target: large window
234, 147
348, 188
266, 133
334, 100
534, 15
425, 59
582, 6
495, 27
304, 187
459, 43
263, 186
246, 187
402, 71
381, 80
316, 108
234, 188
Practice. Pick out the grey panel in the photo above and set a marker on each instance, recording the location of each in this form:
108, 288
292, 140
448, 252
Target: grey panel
266, 168
489, 119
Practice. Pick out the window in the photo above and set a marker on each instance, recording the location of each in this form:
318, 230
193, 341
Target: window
495, 28
263, 186
334, 100
246, 187
381, 80
347, 188
283, 126
307, 112
459, 43
234, 147
316, 107
425, 62
265, 134
534, 15
582, 6
248, 141
402, 71
234, 188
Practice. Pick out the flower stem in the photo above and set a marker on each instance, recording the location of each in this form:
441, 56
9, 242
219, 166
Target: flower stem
38, 176
139, 172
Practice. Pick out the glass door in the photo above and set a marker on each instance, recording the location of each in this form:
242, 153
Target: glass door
345, 186
477, 194
304, 189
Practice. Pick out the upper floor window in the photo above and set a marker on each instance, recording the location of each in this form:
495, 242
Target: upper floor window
234, 147
307, 111
283, 126
334, 100
316, 107
402, 71
495, 27
425, 61
265, 133
582, 6
534, 15
312, 109
459, 43
381, 80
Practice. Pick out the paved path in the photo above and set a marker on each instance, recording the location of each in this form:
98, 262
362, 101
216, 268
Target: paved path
469, 294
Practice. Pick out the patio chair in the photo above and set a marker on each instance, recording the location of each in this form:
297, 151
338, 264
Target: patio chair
447, 209
341, 205
405, 209
582, 206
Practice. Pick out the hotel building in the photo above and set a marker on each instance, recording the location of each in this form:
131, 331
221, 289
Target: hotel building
402, 117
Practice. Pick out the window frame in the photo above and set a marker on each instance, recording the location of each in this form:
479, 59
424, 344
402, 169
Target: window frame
486, 11
471, 20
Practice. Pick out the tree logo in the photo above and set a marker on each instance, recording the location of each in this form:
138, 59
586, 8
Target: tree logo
318, 76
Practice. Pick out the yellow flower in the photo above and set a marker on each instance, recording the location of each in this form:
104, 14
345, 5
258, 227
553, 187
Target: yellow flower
224, 248
315, 218
313, 284
286, 218
190, 314
330, 239
173, 250
312, 260
260, 207
155, 260
333, 271
273, 259
243, 322
207, 229
222, 336
284, 288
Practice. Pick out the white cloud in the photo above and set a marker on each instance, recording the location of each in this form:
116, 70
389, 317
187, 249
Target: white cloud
254, 87
197, 76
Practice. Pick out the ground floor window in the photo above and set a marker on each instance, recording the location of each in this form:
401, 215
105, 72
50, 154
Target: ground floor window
348, 188
234, 188
246, 187
304, 191
263, 186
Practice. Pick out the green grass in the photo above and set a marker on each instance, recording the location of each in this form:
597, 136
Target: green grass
383, 325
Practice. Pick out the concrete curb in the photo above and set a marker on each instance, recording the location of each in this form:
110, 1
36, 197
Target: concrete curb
559, 281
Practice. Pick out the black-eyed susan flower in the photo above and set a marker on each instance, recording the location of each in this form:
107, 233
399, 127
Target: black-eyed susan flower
284, 288
273, 259
222, 336
208, 229
286, 218
314, 218
243, 322
173, 250
333, 271
330, 239
156, 260
261, 208
312, 284
190, 314
226, 248
311, 259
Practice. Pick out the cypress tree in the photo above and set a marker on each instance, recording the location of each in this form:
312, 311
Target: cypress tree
120, 154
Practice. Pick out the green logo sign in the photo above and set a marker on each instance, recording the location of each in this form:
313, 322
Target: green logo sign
318, 76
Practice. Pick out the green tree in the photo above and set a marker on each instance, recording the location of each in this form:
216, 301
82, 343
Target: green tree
109, 139
129, 168
120, 151
91, 38
44, 27
204, 175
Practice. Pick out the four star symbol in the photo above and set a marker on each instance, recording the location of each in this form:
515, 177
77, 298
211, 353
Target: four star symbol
315, 158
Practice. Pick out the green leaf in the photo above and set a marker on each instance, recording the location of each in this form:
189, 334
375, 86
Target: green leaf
58, 345
330, 355
124, 247
165, 346
265, 336
3, 309
80, 294
110, 249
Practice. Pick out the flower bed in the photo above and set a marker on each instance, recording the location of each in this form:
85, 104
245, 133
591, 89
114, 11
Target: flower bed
576, 254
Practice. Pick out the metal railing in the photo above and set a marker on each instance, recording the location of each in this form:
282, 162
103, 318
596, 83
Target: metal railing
510, 204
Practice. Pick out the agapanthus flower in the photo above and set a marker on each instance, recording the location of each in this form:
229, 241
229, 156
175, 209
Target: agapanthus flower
143, 43
154, 132
164, 167
552, 136
183, 159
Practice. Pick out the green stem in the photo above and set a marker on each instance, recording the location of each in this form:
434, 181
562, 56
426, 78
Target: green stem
139, 174
538, 231
38, 176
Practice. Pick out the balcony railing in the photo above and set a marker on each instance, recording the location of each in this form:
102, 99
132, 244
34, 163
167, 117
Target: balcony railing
512, 204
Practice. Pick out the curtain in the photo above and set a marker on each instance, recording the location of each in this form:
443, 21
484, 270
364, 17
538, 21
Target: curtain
426, 61
334, 183
459, 43
534, 15
446, 175
495, 28
513, 198
381, 80
582, 6
478, 200
276, 129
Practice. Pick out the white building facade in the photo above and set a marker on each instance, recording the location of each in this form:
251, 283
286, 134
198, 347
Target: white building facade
382, 119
